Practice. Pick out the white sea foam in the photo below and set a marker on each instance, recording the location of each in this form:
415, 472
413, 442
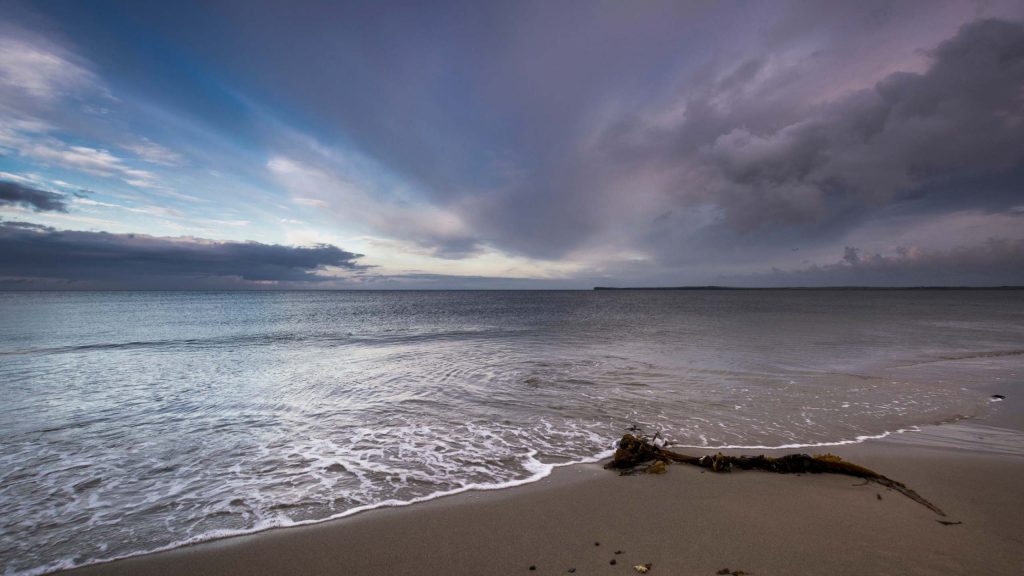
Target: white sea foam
796, 446
539, 469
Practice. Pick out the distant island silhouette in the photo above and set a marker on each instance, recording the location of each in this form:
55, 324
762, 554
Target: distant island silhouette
810, 288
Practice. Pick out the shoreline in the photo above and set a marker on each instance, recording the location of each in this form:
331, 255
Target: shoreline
661, 519
601, 459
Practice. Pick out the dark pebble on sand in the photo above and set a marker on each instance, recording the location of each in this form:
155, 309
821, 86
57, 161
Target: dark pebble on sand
572, 570
618, 551
532, 567
612, 561
879, 496
597, 543
998, 397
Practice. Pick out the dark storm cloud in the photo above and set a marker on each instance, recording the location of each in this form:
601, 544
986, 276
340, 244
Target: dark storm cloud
34, 255
964, 116
953, 135
16, 194
992, 263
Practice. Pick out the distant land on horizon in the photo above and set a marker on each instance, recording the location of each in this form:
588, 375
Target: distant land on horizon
811, 288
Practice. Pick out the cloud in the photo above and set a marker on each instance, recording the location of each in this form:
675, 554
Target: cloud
32, 68
47, 93
38, 256
154, 153
948, 138
152, 210
94, 161
962, 118
995, 262
338, 186
44, 86
17, 194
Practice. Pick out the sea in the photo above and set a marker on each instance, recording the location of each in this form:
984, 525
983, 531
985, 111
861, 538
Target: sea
132, 422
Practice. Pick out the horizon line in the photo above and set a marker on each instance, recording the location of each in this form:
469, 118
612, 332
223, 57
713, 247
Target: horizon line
595, 288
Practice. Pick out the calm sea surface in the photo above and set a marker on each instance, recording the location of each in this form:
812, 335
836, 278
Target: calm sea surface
131, 422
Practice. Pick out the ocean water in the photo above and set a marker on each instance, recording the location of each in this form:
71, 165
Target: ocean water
132, 422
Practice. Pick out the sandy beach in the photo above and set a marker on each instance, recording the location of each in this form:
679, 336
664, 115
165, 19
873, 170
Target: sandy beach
586, 520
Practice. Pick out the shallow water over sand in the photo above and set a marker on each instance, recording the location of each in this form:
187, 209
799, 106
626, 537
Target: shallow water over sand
136, 421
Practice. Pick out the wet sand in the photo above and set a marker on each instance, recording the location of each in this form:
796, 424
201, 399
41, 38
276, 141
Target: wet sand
687, 521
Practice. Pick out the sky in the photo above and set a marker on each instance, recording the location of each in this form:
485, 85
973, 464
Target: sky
327, 145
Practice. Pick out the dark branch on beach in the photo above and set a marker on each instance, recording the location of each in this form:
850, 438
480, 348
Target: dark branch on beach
634, 451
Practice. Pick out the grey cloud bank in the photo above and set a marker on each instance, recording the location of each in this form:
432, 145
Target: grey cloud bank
33, 256
961, 120
16, 194
996, 262
951, 137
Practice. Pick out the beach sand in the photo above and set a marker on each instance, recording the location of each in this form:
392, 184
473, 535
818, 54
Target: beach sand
687, 521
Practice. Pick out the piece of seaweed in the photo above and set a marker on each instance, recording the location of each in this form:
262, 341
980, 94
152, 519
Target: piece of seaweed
632, 451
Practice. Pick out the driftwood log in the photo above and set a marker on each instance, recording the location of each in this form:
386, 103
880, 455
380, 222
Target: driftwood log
635, 451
